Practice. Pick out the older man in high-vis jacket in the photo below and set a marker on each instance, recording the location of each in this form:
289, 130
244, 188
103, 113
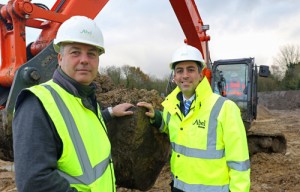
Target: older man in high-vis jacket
207, 135
59, 135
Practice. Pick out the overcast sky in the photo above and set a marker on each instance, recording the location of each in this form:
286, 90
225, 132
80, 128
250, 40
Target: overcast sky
144, 33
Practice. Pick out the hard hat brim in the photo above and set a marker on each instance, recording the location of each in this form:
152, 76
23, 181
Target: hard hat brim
200, 63
56, 45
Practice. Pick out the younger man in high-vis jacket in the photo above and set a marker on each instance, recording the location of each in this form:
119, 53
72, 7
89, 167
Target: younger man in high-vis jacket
208, 138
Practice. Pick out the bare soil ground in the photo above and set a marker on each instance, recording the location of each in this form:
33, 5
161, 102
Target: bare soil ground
269, 172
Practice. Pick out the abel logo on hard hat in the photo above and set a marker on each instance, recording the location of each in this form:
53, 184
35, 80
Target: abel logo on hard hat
85, 31
184, 54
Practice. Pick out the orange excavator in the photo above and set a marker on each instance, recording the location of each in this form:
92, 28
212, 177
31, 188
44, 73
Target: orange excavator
23, 65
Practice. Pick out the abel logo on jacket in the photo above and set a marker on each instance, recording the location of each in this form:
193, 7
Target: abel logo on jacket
199, 123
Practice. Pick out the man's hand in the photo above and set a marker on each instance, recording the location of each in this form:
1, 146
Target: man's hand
122, 110
150, 110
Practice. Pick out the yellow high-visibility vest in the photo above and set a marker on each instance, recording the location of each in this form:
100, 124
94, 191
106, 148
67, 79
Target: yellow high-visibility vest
86, 158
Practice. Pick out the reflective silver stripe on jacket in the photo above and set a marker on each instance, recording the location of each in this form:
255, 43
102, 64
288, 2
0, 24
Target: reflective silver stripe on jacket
198, 187
239, 166
90, 174
210, 153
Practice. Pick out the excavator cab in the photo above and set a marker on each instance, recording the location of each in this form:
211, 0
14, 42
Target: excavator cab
236, 79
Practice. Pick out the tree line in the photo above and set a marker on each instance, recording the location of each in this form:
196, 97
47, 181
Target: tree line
285, 71
133, 77
284, 74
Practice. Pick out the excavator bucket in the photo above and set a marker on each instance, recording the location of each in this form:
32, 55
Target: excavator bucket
139, 150
266, 142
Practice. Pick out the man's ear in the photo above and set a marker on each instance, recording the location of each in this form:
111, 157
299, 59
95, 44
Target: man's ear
59, 58
173, 80
201, 76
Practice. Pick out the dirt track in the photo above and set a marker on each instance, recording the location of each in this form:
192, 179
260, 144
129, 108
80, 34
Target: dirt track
269, 172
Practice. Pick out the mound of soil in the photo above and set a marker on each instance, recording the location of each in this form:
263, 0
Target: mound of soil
263, 112
280, 100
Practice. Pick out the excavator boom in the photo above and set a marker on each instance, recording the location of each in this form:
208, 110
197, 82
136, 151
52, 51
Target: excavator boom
192, 25
195, 31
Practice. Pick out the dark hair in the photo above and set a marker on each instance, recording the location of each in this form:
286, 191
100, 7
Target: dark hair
198, 63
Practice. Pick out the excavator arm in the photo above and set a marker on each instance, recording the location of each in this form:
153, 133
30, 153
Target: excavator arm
192, 25
195, 31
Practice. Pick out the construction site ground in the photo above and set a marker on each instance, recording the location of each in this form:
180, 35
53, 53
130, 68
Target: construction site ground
277, 112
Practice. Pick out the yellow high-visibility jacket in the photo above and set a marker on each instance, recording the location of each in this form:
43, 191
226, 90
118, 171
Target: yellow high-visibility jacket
209, 145
86, 158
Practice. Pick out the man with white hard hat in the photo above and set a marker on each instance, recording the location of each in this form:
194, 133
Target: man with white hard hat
206, 132
59, 135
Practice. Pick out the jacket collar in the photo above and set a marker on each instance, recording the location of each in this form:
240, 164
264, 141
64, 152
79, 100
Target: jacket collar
203, 90
173, 100
72, 86
87, 93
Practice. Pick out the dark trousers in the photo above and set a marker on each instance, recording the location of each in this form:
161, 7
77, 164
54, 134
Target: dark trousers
176, 190
173, 189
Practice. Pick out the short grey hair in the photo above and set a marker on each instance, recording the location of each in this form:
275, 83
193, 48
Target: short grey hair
61, 49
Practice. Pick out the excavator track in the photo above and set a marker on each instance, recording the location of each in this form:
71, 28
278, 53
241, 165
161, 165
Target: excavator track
266, 142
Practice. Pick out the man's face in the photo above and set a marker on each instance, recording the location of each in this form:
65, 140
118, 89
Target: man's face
187, 77
80, 62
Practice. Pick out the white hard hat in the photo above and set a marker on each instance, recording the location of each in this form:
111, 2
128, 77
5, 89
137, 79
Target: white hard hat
79, 29
187, 53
